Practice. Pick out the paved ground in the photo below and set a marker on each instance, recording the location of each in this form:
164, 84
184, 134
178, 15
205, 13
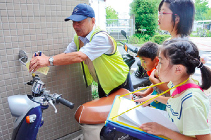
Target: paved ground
203, 43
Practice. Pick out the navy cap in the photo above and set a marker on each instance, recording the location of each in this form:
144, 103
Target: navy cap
81, 12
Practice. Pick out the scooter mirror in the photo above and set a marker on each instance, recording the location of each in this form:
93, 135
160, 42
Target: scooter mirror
22, 56
123, 33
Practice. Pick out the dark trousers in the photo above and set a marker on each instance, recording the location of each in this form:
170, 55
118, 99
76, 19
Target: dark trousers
127, 85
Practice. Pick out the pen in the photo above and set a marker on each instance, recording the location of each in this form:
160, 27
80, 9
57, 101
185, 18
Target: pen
35, 54
39, 53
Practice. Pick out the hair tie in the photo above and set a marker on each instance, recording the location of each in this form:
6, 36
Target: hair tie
200, 65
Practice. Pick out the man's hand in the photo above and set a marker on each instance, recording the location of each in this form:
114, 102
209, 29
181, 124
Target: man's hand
38, 62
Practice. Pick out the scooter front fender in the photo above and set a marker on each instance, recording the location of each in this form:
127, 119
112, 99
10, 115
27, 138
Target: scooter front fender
20, 107
20, 104
26, 131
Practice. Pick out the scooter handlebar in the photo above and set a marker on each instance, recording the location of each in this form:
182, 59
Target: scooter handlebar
132, 48
65, 102
121, 42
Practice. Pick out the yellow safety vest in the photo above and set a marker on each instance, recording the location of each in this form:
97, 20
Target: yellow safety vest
110, 69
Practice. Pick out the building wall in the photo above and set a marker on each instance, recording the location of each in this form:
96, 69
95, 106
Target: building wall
34, 25
99, 7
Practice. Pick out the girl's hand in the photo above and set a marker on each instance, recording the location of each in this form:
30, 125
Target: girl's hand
155, 71
154, 77
145, 99
153, 128
142, 94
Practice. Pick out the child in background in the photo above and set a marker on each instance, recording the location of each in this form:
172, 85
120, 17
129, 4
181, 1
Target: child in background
176, 17
148, 55
189, 107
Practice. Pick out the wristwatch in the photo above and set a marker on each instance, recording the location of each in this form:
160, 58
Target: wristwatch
51, 61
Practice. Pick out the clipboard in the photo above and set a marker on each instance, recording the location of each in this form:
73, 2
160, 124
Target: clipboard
131, 130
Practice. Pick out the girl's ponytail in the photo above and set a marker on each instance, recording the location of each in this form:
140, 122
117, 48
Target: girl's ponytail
205, 75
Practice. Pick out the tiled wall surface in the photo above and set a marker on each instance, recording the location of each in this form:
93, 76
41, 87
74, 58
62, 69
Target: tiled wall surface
38, 25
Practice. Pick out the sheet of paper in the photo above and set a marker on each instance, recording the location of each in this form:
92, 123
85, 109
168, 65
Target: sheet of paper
124, 108
122, 119
43, 70
142, 115
133, 115
158, 116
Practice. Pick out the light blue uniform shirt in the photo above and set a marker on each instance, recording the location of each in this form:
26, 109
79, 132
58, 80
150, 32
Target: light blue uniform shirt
100, 44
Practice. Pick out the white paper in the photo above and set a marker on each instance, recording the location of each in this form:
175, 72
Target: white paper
141, 115
127, 105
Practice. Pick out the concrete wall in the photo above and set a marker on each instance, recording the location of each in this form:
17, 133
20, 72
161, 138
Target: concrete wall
99, 7
38, 25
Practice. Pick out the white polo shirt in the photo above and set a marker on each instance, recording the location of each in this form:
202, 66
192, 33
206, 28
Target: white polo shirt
100, 44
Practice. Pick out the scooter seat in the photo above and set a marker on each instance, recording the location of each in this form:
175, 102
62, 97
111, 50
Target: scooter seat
96, 111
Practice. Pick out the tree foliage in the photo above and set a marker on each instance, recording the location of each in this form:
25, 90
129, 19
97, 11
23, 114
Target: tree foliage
111, 14
208, 15
201, 7
146, 15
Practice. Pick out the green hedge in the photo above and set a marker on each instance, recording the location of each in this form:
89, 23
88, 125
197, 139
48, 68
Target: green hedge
208, 34
159, 39
141, 39
135, 40
95, 90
